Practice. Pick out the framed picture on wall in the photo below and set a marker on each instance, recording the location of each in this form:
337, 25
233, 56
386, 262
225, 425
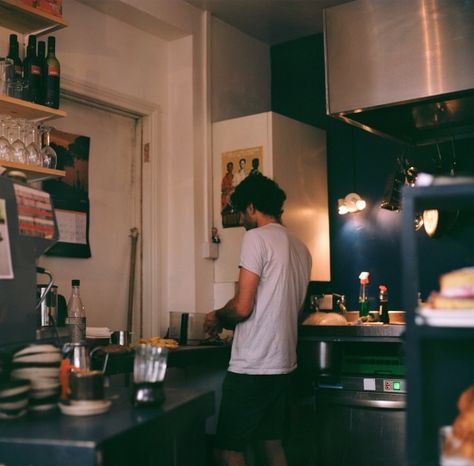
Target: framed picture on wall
70, 194
236, 165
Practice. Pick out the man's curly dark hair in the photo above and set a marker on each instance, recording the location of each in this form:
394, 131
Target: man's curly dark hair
264, 193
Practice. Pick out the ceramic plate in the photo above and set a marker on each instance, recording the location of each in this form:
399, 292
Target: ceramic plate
38, 357
44, 383
13, 416
14, 388
12, 405
37, 349
88, 409
46, 407
34, 372
447, 317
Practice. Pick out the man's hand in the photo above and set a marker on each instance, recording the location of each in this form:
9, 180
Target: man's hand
212, 325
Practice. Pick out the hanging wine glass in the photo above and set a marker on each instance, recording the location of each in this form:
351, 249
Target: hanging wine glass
16, 140
35, 157
50, 159
6, 150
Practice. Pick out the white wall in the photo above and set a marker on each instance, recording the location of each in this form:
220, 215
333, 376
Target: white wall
241, 73
154, 51
294, 154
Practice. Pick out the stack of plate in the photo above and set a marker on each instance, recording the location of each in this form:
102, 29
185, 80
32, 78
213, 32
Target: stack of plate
39, 364
14, 398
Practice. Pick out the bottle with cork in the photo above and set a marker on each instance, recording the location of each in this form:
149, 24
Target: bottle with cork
363, 298
383, 304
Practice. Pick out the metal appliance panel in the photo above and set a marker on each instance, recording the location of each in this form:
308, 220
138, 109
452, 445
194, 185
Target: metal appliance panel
402, 69
390, 51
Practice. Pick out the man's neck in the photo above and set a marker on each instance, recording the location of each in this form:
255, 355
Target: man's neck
263, 220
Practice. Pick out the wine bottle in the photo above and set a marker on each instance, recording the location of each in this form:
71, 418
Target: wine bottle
13, 53
76, 314
53, 74
32, 72
42, 61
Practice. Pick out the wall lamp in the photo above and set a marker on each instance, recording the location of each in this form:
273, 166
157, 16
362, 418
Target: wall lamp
350, 204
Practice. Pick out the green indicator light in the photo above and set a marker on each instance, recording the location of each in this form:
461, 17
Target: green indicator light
396, 385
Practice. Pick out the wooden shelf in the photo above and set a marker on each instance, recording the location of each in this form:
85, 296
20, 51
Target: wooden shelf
18, 108
33, 173
25, 19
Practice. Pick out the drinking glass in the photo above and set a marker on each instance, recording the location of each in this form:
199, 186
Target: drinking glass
149, 371
35, 157
50, 158
16, 140
6, 150
6, 73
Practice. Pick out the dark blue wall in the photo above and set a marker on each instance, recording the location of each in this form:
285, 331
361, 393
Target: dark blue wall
362, 162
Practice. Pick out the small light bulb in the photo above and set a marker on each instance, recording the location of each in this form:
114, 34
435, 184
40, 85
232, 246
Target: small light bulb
342, 210
360, 204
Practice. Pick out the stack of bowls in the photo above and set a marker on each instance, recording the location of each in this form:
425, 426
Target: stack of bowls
14, 398
39, 364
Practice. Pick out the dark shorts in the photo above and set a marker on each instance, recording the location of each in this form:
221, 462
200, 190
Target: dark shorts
253, 407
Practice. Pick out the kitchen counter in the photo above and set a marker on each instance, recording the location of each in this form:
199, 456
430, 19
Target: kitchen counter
181, 357
170, 435
367, 332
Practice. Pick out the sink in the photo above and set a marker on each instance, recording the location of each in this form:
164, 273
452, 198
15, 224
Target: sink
350, 318
396, 317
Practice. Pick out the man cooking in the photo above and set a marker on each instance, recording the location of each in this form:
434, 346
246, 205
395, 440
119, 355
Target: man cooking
274, 274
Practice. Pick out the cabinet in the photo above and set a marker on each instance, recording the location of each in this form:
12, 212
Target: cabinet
439, 359
25, 19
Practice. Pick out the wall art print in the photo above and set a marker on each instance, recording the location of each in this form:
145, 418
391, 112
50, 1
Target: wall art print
236, 165
70, 194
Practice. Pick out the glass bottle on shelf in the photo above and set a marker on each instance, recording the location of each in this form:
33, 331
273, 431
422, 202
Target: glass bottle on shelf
32, 72
42, 62
13, 53
50, 158
76, 314
52, 77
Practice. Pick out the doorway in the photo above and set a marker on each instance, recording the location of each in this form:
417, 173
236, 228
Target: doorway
115, 195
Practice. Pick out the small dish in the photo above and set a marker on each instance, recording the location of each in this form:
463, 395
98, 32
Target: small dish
34, 349
85, 408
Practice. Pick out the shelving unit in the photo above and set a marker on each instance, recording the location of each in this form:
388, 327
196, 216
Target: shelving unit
33, 173
25, 19
17, 16
438, 359
18, 108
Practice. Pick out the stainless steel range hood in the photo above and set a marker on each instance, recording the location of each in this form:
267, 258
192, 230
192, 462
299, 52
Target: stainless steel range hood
403, 69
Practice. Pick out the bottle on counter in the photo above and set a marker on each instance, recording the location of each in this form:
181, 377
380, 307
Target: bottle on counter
32, 72
76, 314
53, 75
383, 305
13, 53
363, 298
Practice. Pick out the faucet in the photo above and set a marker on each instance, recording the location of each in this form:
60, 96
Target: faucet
314, 302
341, 302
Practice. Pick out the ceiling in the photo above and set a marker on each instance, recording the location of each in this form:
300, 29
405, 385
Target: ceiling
271, 21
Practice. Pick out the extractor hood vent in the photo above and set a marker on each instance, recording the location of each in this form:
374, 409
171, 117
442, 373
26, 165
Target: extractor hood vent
403, 69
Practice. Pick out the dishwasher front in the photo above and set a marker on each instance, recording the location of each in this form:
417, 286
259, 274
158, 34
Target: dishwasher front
360, 420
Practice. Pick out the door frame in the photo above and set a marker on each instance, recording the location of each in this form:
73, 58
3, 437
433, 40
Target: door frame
150, 234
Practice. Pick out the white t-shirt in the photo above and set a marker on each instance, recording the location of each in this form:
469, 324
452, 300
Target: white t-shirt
265, 343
